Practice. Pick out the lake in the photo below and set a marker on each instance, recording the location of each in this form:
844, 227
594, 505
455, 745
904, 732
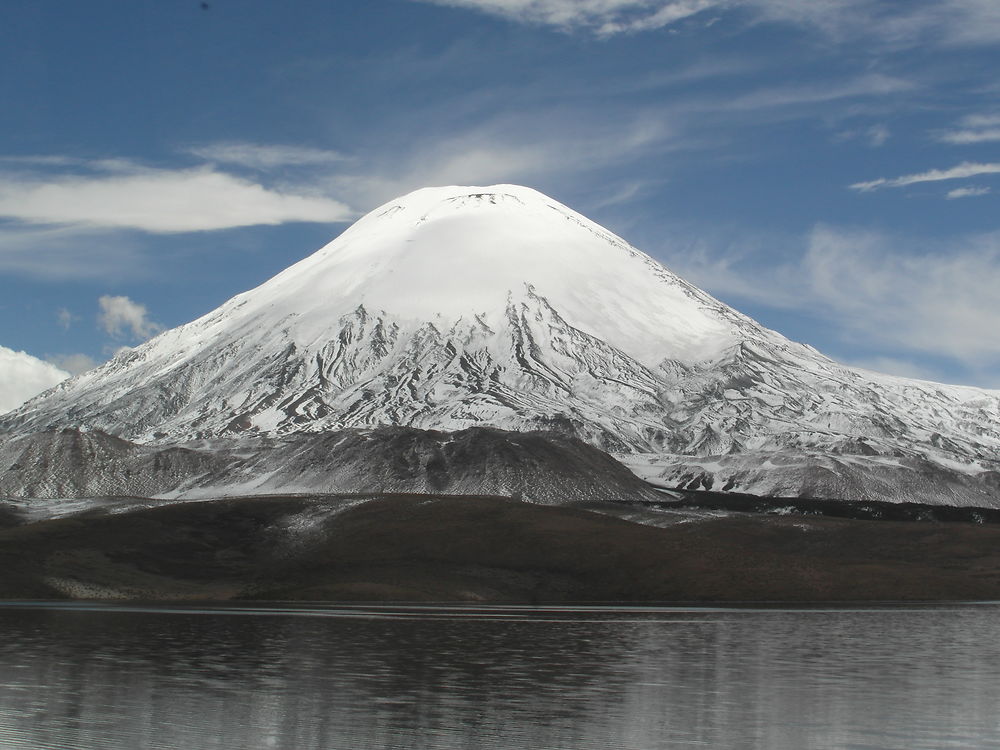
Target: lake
108, 676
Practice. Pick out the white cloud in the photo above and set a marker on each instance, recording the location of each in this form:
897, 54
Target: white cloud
65, 318
548, 148
23, 376
43, 160
622, 193
544, 150
935, 300
963, 137
74, 364
964, 170
265, 156
875, 136
600, 16
642, 20
981, 121
901, 24
59, 253
874, 84
71, 218
973, 129
157, 200
970, 21
119, 316
939, 301
967, 192
893, 24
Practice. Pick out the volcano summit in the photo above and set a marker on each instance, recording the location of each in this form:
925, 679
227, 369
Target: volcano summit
459, 307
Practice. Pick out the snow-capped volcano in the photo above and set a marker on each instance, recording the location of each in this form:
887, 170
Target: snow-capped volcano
473, 255
445, 308
460, 306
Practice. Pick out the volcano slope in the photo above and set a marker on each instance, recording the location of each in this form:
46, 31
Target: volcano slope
456, 307
542, 468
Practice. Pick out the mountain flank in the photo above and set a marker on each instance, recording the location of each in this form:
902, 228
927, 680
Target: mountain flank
543, 468
498, 307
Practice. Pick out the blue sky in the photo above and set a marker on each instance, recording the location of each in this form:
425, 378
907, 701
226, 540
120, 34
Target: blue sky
831, 168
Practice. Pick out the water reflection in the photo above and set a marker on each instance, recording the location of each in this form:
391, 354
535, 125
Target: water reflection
499, 678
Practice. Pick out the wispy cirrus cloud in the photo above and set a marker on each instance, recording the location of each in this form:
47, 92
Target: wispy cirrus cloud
947, 22
68, 252
76, 218
555, 145
550, 150
973, 129
936, 299
263, 156
967, 192
555, 142
603, 17
874, 135
65, 318
119, 194
961, 171
874, 84
962, 137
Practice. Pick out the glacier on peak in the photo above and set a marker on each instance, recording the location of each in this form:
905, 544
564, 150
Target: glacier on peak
454, 307
457, 253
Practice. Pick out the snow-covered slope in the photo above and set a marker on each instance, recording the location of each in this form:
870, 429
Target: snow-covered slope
452, 307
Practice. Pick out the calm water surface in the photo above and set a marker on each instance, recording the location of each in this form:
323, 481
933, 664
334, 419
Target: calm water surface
352, 678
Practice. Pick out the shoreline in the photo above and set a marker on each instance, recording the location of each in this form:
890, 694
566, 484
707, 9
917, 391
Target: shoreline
424, 549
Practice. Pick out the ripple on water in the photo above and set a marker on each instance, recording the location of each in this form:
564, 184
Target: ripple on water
123, 676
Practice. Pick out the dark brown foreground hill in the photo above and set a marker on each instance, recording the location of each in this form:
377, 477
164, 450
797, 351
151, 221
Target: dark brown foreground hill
448, 548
